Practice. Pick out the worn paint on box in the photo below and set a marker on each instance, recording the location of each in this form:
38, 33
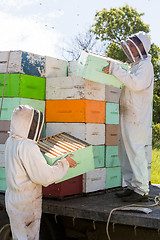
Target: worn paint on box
72, 68
94, 180
92, 133
74, 88
33, 64
22, 62
9, 104
81, 110
21, 85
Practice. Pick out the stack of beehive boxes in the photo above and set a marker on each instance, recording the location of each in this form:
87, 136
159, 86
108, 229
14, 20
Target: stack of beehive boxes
25, 84
80, 100
88, 110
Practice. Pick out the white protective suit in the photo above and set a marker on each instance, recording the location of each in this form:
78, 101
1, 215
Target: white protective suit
135, 121
26, 172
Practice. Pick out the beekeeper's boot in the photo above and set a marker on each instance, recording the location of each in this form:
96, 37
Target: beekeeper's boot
126, 192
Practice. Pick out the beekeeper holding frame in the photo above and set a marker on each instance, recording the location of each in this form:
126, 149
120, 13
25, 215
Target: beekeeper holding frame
135, 115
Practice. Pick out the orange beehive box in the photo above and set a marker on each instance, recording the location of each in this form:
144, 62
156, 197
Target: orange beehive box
79, 110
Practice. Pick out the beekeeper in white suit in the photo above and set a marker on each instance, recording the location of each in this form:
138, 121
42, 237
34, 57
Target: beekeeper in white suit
135, 115
26, 172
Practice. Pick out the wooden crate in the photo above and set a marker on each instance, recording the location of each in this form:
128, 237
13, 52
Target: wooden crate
90, 67
94, 180
22, 62
112, 157
9, 104
22, 85
60, 145
3, 185
4, 128
2, 157
92, 133
113, 177
112, 94
112, 135
74, 88
112, 113
81, 110
55, 67
69, 187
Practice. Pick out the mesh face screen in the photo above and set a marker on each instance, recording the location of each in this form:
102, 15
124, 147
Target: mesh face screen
39, 127
34, 123
127, 51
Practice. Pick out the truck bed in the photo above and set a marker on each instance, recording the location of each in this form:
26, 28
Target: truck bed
97, 208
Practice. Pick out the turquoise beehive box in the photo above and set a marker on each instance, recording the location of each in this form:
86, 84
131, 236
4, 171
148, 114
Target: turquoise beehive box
59, 146
90, 67
3, 185
9, 104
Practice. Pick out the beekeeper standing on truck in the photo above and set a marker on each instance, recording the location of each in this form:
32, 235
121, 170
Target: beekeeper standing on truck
135, 115
26, 172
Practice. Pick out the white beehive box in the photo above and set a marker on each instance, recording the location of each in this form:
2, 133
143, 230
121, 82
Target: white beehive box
55, 67
2, 158
93, 133
74, 88
112, 94
22, 62
94, 180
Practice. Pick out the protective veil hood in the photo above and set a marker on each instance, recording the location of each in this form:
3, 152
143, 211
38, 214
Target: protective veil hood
26, 122
144, 39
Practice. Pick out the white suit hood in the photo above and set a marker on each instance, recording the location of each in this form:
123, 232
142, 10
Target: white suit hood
143, 37
26, 122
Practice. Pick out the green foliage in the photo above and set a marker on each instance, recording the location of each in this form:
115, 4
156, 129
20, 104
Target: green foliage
116, 25
155, 167
156, 135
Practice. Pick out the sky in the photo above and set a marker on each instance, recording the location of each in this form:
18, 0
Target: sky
45, 27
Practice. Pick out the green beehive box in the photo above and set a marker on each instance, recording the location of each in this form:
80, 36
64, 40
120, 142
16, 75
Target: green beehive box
112, 113
90, 67
3, 185
83, 156
113, 177
22, 85
9, 104
99, 156
112, 157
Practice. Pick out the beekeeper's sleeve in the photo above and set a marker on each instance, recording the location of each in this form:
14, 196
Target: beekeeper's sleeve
137, 81
36, 166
